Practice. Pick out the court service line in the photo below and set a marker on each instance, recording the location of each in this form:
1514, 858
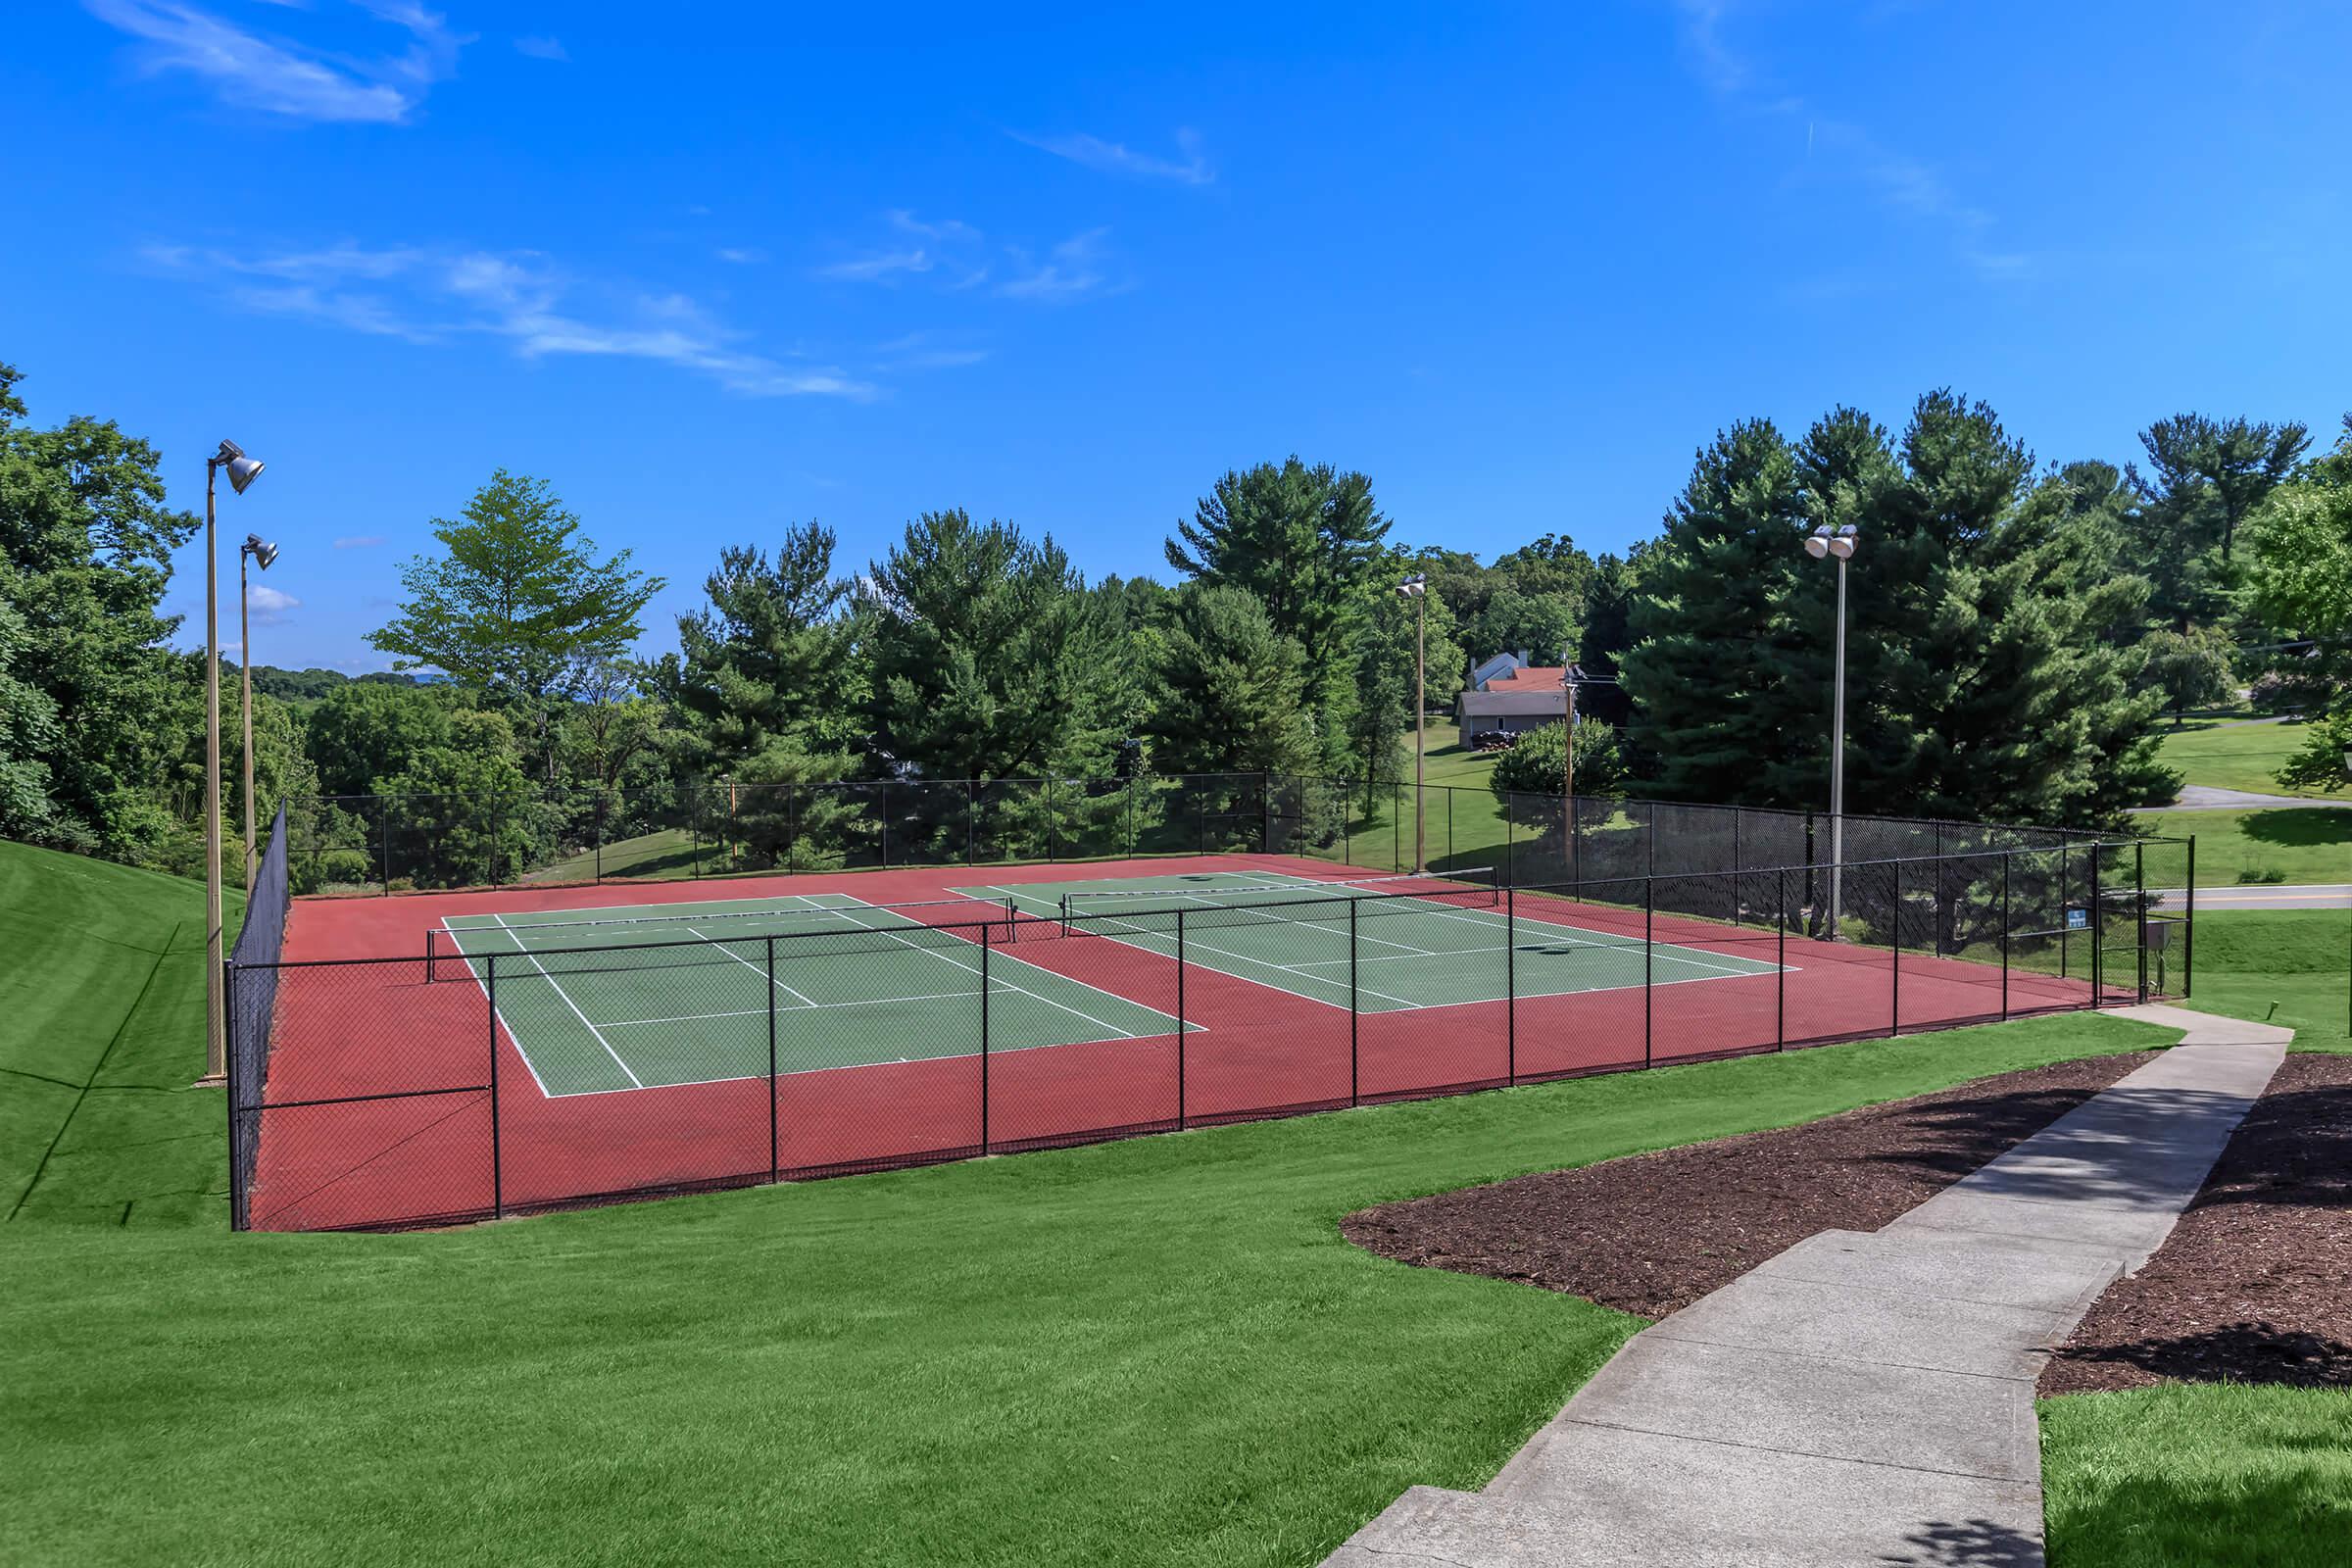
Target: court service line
573, 1005
1009, 985
1144, 945
749, 964
498, 1016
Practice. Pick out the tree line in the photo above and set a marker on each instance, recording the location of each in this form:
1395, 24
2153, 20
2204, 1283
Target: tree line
2018, 633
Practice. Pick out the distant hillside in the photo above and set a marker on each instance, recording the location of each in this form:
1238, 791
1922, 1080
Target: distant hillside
308, 685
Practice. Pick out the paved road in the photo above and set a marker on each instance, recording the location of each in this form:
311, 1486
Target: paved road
2264, 896
2213, 798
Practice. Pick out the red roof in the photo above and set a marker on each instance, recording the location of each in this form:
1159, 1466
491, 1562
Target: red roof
1530, 677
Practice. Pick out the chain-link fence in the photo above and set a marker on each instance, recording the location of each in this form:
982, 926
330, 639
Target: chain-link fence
494, 1075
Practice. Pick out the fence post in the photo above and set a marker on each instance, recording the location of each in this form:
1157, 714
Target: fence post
2140, 910
2006, 857
1181, 1026
885, 815
1737, 865
1511, 877
2098, 977
2065, 912
971, 810
984, 947
238, 1198
1650, 948
498, 1173
2188, 933
1449, 824
385, 828
1510, 984
1895, 972
774, 1154
600, 838
1780, 959
1353, 1079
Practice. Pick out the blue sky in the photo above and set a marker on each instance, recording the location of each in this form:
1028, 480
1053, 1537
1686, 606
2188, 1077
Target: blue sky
714, 272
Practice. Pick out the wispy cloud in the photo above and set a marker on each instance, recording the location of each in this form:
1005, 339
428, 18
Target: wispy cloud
429, 296
927, 245
928, 350
542, 48
270, 607
284, 75
1902, 182
1118, 158
879, 266
741, 255
1072, 269
360, 541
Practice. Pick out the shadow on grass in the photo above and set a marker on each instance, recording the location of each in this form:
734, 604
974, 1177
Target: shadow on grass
2294, 1519
2299, 827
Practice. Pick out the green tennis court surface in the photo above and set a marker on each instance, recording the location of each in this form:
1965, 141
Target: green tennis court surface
685, 996
1449, 944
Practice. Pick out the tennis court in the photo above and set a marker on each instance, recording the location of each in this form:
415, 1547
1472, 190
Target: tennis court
1391, 943
641, 997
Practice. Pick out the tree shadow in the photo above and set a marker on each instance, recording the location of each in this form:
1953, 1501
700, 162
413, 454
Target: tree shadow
2282, 1515
2299, 827
1968, 1543
2234, 1352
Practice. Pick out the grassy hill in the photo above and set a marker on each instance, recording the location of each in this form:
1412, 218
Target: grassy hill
100, 1034
1158, 1350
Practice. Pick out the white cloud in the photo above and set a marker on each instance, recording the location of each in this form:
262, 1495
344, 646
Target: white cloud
880, 266
360, 541
428, 296
1072, 270
268, 606
947, 229
284, 75
542, 48
1900, 181
1116, 157
741, 255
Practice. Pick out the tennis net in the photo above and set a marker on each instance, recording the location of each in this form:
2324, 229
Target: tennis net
1474, 888
796, 921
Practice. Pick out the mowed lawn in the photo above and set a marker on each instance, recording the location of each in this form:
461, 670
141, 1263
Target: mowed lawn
1157, 1351
2237, 753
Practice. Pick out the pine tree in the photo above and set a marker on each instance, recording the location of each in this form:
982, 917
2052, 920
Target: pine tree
1708, 671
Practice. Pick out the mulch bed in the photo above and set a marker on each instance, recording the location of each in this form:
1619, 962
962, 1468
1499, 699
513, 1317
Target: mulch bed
1653, 1233
2255, 1283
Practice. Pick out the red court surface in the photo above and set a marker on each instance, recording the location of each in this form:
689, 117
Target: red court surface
437, 1118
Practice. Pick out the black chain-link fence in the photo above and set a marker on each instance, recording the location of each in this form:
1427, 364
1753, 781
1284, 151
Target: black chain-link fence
495, 1076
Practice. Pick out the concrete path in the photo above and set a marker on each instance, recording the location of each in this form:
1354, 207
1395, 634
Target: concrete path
1863, 1398
2262, 896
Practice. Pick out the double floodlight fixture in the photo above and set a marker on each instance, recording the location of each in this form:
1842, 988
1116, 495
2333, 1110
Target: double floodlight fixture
1413, 587
261, 550
242, 469
1824, 541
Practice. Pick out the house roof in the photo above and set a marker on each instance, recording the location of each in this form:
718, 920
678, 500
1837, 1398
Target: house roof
1530, 678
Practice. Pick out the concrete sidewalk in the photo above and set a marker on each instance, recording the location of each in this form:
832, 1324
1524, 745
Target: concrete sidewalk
1863, 1398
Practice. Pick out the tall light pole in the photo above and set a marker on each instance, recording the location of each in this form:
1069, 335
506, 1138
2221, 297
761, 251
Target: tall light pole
242, 471
265, 552
1416, 589
1827, 543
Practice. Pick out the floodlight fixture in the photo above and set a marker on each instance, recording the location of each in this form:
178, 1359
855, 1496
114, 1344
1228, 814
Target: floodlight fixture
261, 550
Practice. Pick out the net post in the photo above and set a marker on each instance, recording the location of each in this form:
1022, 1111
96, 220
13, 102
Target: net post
600, 837
1354, 1072
498, 1173
1510, 982
1181, 1026
1649, 952
985, 945
2098, 977
429, 955
774, 1148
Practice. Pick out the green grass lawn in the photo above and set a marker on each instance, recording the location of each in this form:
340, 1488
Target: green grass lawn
2199, 1474
2299, 844
2236, 755
1149, 1351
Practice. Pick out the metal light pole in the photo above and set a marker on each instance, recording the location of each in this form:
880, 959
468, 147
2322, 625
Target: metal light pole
1416, 589
1839, 543
258, 550
242, 471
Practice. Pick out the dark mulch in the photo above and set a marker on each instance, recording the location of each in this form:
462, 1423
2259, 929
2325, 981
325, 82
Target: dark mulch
2255, 1283
1653, 1233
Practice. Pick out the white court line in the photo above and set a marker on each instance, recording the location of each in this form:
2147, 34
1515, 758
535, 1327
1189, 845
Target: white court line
1006, 984
813, 1006
576, 1007
1192, 943
496, 1015
749, 964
